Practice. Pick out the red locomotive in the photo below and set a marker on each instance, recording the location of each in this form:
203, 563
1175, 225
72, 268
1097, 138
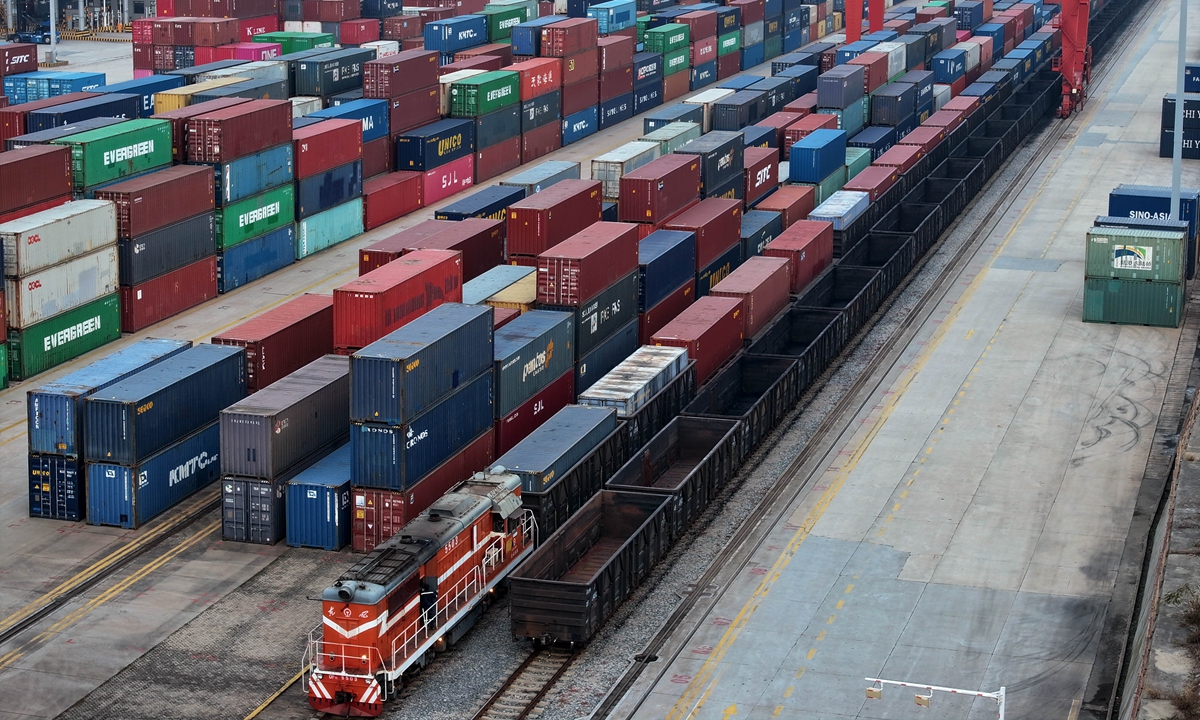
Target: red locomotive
415, 594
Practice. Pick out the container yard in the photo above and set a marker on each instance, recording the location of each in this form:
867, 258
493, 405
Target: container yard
622, 360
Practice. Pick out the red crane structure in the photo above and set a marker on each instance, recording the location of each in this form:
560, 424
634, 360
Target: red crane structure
1075, 62
854, 13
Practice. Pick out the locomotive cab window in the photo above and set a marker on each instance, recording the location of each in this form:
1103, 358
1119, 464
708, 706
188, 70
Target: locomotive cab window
497, 523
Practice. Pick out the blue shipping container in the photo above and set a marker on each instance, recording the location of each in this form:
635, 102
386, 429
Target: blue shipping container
381, 8
542, 458
580, 125
817, 155
16, 87
617, 110
396, 457
123, 106
489, 203
329, 189
614, 15
457, 33
1153, 202
877, 139
647, 69
756, 136
318, 503
543, 175
949, 65
146, 87
646, 97
527, 36
969, 14
434, 145
253, 174
372, 113
56, 409
703, 75
803, 77
246, 262
56, 487
129, 497
666, 260
408, 371
1191, 78
993, 30
610, 353
739, 82
849, 51
680, 112
133, 419
63, 83
759, 227
794, 39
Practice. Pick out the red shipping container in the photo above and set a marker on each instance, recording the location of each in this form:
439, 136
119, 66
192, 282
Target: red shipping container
143, 57
875, 180
160, 198
752, 12
392, 196
165, 8
794, 202
179, 119
283, 339
449, 179
728, 65
701, 24
948, 119
960, 84
205, 55
985, 50
207, 32
380, 514
500, 50
582, 266
12, 118
580, 96
359, 31
927, 136
665, 311
779, 121
541, 141
371, 306
3, 101
568, 37
763, 285
543, 220
498, 159
761, 173
900, 26
805, 125
901, 157
875, 69
431, 14
615, 52
503, 316
487, 63
930, 12
336, 11
35, 174
166, 295
413, 110
325, 145
382, 252
581, 66
403, 27
538, 76
481, 242
232, 8
615, 83
238, 131
711, 331
377, 157
803, 105
249, 27
718, 226
808, 245
704, 50
529, 416
676, 86
35, 208
659, 189
310, 10
162, 31
143, 32
163, 57
965, 104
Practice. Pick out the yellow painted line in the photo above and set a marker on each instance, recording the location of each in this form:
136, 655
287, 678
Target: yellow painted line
820, 636
811, 653
969, 334
895, 507
254, 713
788, 693
831, 619
849, 587
902, 496
1074, 713
778, 710
800, 672
840, 604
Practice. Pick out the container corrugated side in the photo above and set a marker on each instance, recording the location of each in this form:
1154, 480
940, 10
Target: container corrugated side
631, 384
254, 216
318, 504
54, 290
56, 487
128, 148
166, 249
252, 511
256, 258
324, 230
478, 290
1133, 302
64, 337
1132, 254
57, 235
543, 457
283, 339
531, 351
254, 174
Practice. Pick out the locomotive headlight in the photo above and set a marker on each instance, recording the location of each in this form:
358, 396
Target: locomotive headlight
364, 659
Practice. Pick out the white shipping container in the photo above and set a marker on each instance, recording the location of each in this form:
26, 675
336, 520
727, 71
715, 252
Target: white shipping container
834, 38
707, 99
383, 48
310, 27
629, 386
293, 26
842, 208
897, 57
673, 136
54, 290
972, 53
941, 96
609, 167
302, 106
449, 79
57, 235
259, 70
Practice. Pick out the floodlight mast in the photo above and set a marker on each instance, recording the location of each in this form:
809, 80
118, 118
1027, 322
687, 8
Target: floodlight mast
875, 692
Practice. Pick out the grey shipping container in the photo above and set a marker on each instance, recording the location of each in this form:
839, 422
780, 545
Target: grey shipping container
331, 73
606, 356
539, 177
160, 251
305, 413
530, 351
603, 315
411, 369
253, 511
840, 86
139, 416
265, 89
543, 457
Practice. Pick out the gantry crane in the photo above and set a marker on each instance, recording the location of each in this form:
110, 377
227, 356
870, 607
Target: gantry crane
1075, 61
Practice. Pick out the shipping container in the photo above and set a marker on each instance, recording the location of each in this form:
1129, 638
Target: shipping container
631, 385
763, 285
711, 330
253, 511
568, 37
809, 247
601, 316
318, 504
450, 36
331, 73
555, 447
759, 228
530, 352
57, 488
254, 216
45, 137
166, 249
817, 155
1133, 302
400, 74
166, 295
1134, 254
671, 137
716, 224
237, 131
386, 298
129, 148
434, 145
328, 189
159, 199
546, 218
501, 281
326, 229
842, 208
114, 105
667, 260
610, 166
58, 235
716, 271
579, 268
489, 203
608, 353
391, 196
283, 339
659, 189
63, 337
53, 290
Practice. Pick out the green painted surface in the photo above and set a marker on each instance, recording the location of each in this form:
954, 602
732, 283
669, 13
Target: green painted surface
63, 337
676, 61
254, 216
667, 38
501, 19
117, 151
1132, 302
857, 160
482, 94
1135, 254
291, 42
729, 43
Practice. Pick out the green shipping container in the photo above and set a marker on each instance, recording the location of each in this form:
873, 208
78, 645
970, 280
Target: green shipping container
117, 151
501, 19
291, 42
829, 185
3, 365
326, 229
667, 38
676, 61
1132, 302
772, 47
482, 94
1135, 254
857, 160
63, 337
255, 216
729, 43
643, 24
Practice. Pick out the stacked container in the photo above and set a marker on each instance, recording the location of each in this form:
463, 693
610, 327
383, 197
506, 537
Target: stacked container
534, 367
329, 184
317, 505
616, 75
283, 339
492, 102
715, 223
408, 83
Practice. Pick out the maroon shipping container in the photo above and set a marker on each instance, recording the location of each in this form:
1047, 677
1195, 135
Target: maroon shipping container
34, 174
948, 119
179, 119
875, 69
403, 27
927, 136
143, 57
204, 32
761, 173
544, 219
359, 31
413, 110
538, 76
529, 415
804, 105
18, 58
615, 83
336, 11
397, 75
676, 86
283, 339
228, 8
540, 142
380, 514
665, 311
35, 208
162, 57
875, 180
382, 252
161, 198
615, 52
377, 157
481, 242
3, 101
704, 50
498, 159
710, 329
763, 285
808, 244
779, 121
503, 316
389, 197
12, 118
966, 104
702, 24
580, 96
793, 202
717, 223
249, 27
752, 12
167, 295
581, 66
238, 131
659, 189
143, 32
487, 63
326, 145
499, 50
371, 306
582, 266
568, 37
728, 65
162, 30
901, 157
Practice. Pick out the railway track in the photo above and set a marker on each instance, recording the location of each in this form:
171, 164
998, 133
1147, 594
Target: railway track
527, 685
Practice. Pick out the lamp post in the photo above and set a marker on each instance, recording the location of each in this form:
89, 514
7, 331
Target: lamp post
1177, 150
